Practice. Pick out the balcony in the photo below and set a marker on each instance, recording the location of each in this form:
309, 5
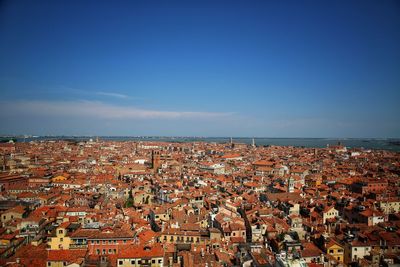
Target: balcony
78, 246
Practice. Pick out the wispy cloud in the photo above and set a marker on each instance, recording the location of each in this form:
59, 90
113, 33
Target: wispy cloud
116, 95
94, 93
97, 109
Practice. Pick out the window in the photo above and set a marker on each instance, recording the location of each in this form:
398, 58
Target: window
48, 263
159, 261
133, 261
64, 263
61, 239
153, 261
97, 251
110, 251
331, 251
98, 241
60, 231
338, 258
104, 251
120, 262
139, 262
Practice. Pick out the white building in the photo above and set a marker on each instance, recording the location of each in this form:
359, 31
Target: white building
216, 168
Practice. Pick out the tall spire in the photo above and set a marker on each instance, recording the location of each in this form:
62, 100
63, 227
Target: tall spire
253, 143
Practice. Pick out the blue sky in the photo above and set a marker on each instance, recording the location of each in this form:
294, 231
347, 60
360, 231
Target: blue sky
200, 68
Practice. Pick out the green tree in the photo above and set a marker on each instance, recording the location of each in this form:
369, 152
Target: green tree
129, 201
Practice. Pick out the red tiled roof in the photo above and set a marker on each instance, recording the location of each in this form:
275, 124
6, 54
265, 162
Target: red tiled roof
66, 255
132, 252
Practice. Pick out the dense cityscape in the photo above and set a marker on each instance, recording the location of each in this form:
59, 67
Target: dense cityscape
199, 133
136, 203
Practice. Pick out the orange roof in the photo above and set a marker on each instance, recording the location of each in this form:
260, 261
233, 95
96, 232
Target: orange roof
328, 208
66, 255
31, 255
263, 162
17, 209
147, 236
231, 156
132, 252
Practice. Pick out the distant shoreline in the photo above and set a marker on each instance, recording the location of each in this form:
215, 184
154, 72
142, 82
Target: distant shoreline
391, 144
193, 137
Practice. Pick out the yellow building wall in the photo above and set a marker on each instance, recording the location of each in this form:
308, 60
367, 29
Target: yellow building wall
58, 178
5, 217
183, 239
60, 241
127, 263
60, 264
55, 264
334, 252
4, 242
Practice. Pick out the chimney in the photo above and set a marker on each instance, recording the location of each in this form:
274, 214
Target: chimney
4, 162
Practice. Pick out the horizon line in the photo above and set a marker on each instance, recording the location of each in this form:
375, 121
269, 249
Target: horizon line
184, 136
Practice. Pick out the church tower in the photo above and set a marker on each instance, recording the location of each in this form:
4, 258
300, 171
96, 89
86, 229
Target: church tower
290, 185
155, 160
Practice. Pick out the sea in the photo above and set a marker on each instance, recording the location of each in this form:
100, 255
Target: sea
369, 143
